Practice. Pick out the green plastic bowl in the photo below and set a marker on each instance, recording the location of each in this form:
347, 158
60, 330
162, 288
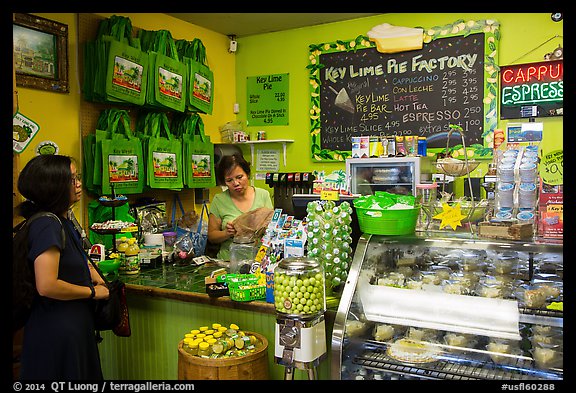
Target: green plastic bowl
387, 222
109, 265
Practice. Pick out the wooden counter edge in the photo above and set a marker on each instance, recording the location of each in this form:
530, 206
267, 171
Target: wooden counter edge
223, 301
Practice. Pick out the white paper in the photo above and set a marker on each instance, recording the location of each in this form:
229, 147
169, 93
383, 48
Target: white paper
441, 311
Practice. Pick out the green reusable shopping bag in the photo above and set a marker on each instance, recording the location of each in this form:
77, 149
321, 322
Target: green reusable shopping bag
164, 165
183, 126
126, 73
200, 89
107, 121
201, 151
201, 97
88, 148
122, 161
115, 69
144, 131
168, 76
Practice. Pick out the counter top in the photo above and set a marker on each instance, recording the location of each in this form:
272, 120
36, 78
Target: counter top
185, 283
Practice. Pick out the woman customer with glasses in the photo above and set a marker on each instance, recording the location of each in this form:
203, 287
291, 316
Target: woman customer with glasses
240, 197
59, 341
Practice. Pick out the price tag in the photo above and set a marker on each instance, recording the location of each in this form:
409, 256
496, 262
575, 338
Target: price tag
552, 168
329, 195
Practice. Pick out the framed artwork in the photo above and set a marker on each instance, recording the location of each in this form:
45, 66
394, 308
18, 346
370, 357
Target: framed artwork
40, 49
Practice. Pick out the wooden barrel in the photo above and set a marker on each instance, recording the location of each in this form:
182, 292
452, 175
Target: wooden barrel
253, 366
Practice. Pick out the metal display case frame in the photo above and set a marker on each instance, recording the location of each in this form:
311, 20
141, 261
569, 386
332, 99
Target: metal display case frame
366, 355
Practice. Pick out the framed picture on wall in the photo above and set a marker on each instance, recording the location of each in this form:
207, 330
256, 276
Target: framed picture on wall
40, 50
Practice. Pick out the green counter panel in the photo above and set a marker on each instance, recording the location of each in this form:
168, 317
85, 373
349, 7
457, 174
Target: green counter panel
159, 323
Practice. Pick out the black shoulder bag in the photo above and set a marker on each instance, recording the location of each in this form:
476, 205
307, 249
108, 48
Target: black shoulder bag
112, 313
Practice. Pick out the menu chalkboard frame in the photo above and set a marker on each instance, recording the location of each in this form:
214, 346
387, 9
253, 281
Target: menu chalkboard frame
491, 31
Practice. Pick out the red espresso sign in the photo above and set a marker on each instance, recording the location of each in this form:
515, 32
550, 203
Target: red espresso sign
532, 89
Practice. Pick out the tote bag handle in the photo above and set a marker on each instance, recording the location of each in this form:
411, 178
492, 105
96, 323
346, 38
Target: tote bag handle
179, 202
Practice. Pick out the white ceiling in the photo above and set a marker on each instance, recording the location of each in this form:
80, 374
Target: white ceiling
245, 24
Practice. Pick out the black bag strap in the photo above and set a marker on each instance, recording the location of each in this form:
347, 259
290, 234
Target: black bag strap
83, 252
26, 223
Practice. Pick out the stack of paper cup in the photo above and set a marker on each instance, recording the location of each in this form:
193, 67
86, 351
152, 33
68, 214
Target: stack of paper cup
506, 173
528, 173
506, 195
527, 194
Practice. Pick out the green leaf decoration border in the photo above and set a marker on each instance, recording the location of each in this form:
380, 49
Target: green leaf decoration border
491, 30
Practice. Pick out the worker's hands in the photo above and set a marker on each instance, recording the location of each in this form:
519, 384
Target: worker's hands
230, 230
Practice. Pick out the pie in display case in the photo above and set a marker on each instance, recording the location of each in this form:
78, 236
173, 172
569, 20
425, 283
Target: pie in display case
450, 308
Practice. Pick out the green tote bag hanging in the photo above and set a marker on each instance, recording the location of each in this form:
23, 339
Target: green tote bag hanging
201, 97
184, 126
201, 152
107, 120
200, 87
164, 165
168, 75
123, 161
126, 74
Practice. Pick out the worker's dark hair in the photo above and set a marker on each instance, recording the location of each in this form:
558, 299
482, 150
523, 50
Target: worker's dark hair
227, 163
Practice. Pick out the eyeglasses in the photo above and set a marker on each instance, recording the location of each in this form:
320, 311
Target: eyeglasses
76, 178
232, 180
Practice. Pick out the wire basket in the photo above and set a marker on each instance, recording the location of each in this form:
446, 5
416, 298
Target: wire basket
246, 293
456, 168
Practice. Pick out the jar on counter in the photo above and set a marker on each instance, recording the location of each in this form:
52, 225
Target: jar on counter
299, 287
242, 253
131, 263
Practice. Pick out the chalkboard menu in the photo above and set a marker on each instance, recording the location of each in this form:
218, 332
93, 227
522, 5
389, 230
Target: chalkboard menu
363, 92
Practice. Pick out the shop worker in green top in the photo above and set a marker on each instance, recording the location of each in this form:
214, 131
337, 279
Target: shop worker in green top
240, 197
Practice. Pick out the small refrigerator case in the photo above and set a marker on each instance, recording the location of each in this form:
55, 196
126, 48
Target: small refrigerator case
398, 175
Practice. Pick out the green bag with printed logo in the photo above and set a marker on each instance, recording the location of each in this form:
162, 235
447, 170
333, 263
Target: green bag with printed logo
164, 156
201, 174
200, 88
108, 120
168, 75
122, 161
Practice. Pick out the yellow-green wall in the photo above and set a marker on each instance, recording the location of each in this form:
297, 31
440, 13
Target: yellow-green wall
58, 115
287, 52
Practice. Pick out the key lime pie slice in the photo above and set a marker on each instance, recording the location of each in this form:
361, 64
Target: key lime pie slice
393, 39
413, 351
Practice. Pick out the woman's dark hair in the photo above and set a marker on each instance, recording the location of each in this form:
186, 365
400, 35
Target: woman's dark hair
45, 182
227, 163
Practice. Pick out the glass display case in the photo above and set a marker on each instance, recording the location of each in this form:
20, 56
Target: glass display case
455, 308
398, 175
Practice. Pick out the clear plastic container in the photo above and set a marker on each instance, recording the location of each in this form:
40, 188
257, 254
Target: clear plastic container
299, 288
242, 253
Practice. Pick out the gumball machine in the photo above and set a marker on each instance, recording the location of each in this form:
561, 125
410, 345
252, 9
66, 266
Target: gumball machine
300, 302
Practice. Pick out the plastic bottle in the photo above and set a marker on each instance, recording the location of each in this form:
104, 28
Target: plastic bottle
204, 349
132, 259
384, 142
422, 146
